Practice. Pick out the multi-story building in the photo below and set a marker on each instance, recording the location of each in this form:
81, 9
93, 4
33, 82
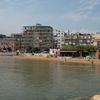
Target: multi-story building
96, 40
37, 36
2, 36
59, 38
18, 37
9, 44
78, 39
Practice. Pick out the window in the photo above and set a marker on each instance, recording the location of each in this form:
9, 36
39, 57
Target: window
80, 40
88, 40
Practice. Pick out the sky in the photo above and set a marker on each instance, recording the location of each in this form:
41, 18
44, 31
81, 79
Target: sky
75, 15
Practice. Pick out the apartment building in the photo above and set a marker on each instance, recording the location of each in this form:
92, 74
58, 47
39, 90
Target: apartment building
96, 39
18, 37
59, 38
37, 36
9, 44
78, 39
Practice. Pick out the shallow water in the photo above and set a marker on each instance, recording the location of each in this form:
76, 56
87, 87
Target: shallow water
42, 80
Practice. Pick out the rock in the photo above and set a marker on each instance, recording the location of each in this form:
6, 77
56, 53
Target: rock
95, 97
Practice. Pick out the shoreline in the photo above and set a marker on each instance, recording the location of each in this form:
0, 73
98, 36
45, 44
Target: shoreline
45, 57
61, 59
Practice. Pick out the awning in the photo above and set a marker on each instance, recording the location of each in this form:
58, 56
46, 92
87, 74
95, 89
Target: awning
68, 51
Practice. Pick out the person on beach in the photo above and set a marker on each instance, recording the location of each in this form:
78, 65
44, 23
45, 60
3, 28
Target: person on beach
92, 61
65, 60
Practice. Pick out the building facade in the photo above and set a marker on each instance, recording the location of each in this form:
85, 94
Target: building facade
78, 39
59, 38
37, 36
18, 37
96, 39
9, 44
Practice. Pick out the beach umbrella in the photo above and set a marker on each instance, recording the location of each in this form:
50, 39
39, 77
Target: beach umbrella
88, 57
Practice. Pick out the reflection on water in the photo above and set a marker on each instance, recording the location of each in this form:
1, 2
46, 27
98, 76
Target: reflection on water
43, 80
97, 69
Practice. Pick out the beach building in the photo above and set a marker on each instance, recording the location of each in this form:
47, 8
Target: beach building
54, 52
59, 38
18, 37
78, 39
9, 44
38, 36
96, 40
97, 44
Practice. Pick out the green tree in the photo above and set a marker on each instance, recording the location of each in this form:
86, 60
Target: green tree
69, 47
89, 48
29, 49
36, 50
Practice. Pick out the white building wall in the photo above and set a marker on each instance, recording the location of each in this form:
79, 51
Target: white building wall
59, 37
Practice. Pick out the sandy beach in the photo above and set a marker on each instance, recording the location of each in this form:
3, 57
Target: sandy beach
46, 57
59, 59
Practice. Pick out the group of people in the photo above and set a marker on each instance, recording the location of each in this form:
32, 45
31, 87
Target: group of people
68, 59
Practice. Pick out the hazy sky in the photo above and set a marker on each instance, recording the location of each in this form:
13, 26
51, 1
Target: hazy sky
76, 15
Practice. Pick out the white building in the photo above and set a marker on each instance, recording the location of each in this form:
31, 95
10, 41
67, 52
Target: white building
54, 52
59, 38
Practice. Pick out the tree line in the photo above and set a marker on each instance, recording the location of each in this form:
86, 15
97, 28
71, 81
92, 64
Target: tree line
89, 48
